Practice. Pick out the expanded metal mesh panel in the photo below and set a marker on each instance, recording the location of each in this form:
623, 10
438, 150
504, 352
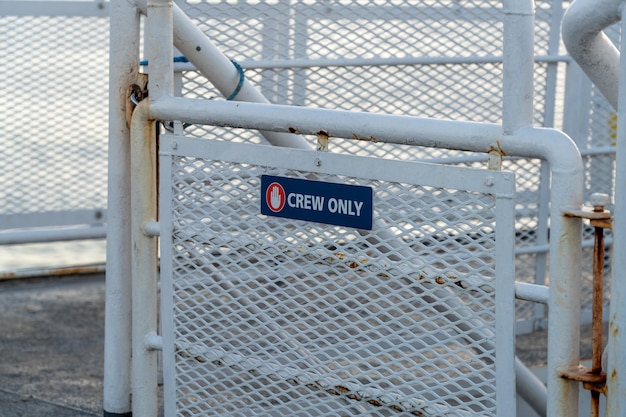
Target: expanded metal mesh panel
422, 58
54, 113
454, 71
279, 317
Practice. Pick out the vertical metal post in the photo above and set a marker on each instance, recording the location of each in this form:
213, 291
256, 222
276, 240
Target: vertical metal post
123, 70
517, 117
159, 49
616, 372
144, 268
599, 201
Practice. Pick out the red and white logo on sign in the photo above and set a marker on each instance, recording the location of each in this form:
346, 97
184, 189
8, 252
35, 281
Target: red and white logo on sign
275, 197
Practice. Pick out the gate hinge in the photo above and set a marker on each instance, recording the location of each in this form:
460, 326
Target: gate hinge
592, 381
597, 215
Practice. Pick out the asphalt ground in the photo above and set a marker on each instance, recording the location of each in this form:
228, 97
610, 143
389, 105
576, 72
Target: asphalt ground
52, 338
51, 346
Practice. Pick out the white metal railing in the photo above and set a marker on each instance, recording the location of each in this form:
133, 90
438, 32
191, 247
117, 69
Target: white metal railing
516, 138
264, 65
600, 59
54, 132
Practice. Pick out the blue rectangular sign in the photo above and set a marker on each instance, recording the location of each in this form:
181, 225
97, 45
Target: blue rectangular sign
317, 201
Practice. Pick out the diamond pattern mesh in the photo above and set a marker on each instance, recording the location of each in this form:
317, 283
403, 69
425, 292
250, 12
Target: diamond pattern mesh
352, 55
54, 112
283, 317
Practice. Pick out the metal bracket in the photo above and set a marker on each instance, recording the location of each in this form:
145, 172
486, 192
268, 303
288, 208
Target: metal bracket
597, 215
591, 380
589, 214
594, 379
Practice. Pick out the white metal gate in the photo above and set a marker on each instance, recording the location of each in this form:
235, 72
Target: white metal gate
267, 315
440, 59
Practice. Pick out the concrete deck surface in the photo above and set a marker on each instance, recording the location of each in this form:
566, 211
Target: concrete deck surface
51, 347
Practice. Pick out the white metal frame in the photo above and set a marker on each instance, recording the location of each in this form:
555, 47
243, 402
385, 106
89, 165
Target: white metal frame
500, 184
516, 137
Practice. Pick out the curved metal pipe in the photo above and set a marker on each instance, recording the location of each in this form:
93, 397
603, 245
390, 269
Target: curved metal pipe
582, 26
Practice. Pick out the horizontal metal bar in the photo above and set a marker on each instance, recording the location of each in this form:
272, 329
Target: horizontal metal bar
314, 380
52, 272
601, 150
92, 217
371, 127
524, 250
531, 292
14, 237
375, 62
55, 8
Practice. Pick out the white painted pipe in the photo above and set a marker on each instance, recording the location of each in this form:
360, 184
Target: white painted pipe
144, 312
143, 138
531, 292
220, 71
123, 71
530, 387
336, 123
518, 65
214, 65
52, 235
564, 291
159, 48
582, 26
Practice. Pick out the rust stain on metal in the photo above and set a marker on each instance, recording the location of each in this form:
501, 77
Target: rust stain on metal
582, 374
593, 378
497, 149
413, 407
53, 272
364, 138
134, 94
596, 324
322, 140
603, 223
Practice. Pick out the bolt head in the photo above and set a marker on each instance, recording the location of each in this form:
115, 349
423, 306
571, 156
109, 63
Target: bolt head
599, 199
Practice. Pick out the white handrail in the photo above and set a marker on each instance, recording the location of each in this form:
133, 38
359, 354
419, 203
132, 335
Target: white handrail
582, 27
